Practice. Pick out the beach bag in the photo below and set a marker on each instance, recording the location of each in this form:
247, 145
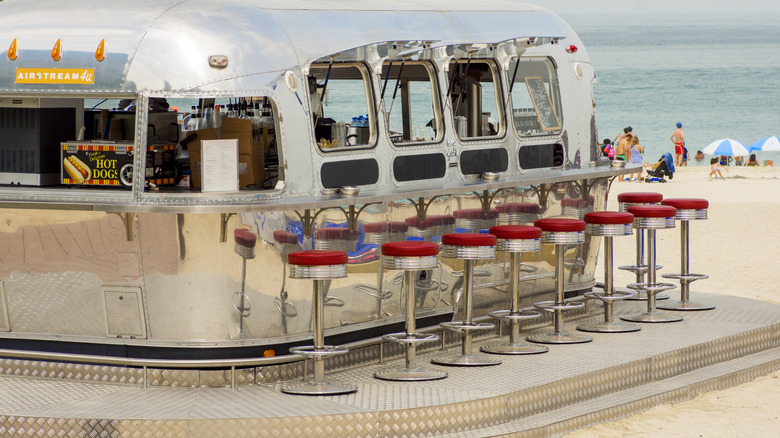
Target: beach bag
609, 151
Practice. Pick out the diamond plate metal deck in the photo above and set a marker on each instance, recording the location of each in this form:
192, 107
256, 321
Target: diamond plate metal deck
570, 387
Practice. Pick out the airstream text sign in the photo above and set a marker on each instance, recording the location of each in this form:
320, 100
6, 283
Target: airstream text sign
55, 76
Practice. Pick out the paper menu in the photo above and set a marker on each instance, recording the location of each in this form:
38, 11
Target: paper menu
219, 165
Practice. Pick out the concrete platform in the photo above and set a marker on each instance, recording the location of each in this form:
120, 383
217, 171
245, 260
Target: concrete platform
570, 387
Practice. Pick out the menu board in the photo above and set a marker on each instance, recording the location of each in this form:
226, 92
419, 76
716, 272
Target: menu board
219, 165
548, 120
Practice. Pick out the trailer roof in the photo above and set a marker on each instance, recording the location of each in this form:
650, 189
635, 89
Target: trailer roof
164, 45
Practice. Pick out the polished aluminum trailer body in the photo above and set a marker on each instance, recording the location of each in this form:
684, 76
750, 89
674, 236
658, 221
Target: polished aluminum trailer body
141, 272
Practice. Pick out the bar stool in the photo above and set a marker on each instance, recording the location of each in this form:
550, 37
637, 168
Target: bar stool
559, 232
318, 265
651, 218
468, 247
516, 240
410, 257
518, 213
336, 239
608, 224
626, 200
474, 219
286, 242
687, 210
379, 233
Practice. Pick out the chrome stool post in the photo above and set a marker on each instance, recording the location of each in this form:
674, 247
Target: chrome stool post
560, 232
652, 218
626, 200
516, 240
687, 210
608, 224
318, 265
410, 257
468, 247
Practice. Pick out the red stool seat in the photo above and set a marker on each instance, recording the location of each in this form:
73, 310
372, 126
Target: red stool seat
686, 203
410, 248
286, 237
468, 239
385, 227
245, 237
337, 233
640, 197
519, 207
609, 218
317, 258
560, 225
516, 232
652, 211
574, 203
475, 213
442, 219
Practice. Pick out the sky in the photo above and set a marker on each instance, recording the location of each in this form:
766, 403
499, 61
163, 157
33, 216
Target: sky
566, 7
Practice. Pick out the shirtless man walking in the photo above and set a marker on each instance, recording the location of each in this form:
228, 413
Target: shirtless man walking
678, 138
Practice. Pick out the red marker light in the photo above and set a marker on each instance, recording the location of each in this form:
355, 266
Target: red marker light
571, 49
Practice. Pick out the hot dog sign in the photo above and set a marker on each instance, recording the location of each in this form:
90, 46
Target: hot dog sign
104, 164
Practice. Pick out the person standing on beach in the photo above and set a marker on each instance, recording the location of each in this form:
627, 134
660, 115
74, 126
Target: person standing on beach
622, 150
636, 156
678, 138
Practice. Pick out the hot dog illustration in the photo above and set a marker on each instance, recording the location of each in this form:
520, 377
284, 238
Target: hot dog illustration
77, 170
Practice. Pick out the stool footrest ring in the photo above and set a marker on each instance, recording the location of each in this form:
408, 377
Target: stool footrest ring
614, 296
651, 287
638, 269
314, 352
413, 338
507, 315
686, 277
551, 306
462, 326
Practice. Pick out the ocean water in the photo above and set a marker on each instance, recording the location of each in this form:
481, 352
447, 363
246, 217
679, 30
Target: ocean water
718, 75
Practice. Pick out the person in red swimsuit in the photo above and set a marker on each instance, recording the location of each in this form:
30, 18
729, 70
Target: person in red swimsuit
678, 138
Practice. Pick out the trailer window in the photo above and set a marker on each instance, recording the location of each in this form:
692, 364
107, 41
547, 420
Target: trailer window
411, 101
475, 96
252, 120
536, 98
342, 106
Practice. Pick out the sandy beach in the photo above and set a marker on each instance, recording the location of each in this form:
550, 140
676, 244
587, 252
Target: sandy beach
736, 247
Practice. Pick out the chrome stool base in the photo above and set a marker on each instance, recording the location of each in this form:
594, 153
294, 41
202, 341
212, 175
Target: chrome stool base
513, 345
412, 375
558, 338
608, 327
652, 317
323, 388
684, 306
517, 348
471, 360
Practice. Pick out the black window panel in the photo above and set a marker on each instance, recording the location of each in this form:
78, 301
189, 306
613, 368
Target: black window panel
418, 167
350, 173
484, 160
541, 156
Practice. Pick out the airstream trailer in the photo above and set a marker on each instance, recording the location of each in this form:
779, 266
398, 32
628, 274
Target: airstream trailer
136, 137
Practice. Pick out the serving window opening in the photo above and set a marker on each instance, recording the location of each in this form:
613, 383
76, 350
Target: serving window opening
536, 97
411, 102
342, 106
475, 95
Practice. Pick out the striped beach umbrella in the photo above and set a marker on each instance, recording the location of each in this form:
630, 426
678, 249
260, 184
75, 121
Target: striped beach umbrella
766, 144
726, 146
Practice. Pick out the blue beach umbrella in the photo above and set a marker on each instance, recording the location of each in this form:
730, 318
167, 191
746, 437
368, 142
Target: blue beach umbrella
726, 146
766, 144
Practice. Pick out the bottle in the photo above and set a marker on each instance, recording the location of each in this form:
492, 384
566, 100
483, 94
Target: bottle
208, 113
192, 123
